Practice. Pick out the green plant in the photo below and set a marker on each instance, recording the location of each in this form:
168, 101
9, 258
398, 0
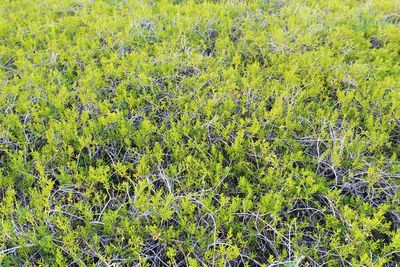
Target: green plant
199, 133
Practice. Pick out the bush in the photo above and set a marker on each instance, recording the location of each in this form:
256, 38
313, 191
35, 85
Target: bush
199, 133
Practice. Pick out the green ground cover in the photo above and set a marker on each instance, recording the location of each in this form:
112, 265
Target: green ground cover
199, 133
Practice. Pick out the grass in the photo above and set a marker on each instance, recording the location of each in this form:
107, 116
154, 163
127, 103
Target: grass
199, 133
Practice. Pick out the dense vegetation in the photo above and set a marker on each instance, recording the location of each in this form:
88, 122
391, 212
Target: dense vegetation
200, 133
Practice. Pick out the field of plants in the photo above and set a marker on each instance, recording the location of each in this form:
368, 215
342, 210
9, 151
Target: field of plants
200, 133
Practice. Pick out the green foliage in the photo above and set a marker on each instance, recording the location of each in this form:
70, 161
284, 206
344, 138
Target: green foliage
199, 133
